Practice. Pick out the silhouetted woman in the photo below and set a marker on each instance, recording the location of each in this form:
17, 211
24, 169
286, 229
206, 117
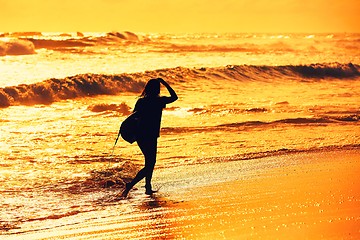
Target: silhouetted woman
149, 107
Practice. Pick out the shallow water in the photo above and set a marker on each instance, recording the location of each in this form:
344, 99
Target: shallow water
189, 204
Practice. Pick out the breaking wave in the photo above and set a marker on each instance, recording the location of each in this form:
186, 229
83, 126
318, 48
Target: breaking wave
60, 44
69, 41
16, 47
87, 85
52, 90
23, 43
168, 43
21, 34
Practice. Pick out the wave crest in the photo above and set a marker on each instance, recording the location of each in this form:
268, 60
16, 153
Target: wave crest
87, 85
334, 70
313, 71
52, 90
68, 41
16, 47
60, 44
124, 35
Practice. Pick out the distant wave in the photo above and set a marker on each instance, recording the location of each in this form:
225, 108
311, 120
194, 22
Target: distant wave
334, 70
171, 48
60, 44
16, 47
313, 120
241, 126
23, 43
125, 35
84, 41
86, 85
65, 41
21, 34
165, 43
314, 71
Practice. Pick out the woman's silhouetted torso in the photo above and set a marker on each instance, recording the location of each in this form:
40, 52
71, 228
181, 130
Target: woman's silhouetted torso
149, 110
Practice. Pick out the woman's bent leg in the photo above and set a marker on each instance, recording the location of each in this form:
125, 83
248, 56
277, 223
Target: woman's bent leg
149, 148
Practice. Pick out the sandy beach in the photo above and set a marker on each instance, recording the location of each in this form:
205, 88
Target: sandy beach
304, 195
315, 197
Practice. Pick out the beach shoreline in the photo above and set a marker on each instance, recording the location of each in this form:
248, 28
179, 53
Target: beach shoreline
313, 199
305, 195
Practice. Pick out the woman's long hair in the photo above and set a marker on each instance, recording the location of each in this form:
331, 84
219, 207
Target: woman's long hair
151, 89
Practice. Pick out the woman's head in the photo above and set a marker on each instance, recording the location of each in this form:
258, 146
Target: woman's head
152, 88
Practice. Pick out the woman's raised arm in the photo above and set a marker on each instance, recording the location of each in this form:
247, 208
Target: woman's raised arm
173, 97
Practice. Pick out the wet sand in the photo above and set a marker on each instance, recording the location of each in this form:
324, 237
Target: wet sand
308, 195
317, 199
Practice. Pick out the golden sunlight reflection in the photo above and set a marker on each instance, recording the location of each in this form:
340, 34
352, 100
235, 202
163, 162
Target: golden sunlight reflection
269, 205
262, 142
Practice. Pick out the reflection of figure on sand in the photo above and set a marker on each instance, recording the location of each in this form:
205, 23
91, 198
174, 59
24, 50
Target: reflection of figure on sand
155, 202
149, 107
156, 218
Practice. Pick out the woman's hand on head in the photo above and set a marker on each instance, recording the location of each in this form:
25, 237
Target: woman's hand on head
161, 80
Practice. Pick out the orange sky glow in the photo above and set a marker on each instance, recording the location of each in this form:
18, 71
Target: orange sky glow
175, 16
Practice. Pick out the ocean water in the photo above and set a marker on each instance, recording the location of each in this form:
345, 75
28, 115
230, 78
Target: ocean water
241, 96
